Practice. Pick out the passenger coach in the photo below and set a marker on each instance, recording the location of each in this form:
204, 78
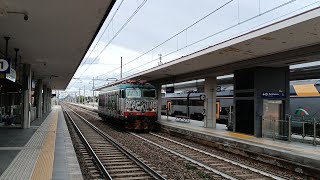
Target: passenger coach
133, 104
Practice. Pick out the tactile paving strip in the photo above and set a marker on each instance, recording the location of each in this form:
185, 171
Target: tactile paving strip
44, 164
23, 164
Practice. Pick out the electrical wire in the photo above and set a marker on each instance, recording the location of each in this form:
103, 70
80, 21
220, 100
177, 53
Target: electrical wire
117, 33
237, 24
260, 14
87, 57
111, 20
136, 11
199, 20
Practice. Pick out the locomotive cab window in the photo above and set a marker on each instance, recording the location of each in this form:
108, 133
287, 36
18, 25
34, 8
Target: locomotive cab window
133, 93
149, 93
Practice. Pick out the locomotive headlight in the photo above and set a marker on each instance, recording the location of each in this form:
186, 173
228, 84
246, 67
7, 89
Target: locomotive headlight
153, 109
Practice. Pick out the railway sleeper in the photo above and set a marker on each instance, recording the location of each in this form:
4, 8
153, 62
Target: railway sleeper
94, 171
135, 178
118, 163
112, 157
117, 160
129, 175
124, 167
124, 170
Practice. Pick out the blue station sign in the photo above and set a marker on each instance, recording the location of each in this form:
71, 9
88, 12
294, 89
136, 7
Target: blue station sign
273, 95
4, 66
170, 89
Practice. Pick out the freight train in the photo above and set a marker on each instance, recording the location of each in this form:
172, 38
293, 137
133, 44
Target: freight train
133, 104
302, 96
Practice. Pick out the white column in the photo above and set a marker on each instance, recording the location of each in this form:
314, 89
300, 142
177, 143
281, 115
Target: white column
210, 85
26, 96
158, 91
39, 98
45, 100
50, 100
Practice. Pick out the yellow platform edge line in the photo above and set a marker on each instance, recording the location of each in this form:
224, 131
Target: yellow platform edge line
44, 165
240, 136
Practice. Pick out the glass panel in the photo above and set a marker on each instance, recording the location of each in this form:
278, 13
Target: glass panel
272, 125
133, 93
151, 93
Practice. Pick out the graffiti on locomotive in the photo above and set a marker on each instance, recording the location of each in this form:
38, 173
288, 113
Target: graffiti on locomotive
141, 105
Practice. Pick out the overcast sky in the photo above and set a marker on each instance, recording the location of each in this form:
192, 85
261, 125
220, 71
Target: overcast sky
157, 20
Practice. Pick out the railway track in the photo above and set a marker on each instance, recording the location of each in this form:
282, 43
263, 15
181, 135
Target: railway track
113, 160
222, 166
213, 162
93, 113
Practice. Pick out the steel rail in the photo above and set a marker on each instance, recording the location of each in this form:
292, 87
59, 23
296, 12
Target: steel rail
122, 149
204, 165
187, 158
89, 148
225, 159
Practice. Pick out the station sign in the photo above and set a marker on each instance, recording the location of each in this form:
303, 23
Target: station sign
4, 66
170, 89
12, 75
273, 95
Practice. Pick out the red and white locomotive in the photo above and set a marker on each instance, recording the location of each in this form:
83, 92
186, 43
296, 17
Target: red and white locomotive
133, 103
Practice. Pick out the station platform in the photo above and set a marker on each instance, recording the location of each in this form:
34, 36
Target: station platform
44, 151
296, 156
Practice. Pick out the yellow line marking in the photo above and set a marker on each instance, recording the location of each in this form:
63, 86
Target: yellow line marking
44, 165
242, 136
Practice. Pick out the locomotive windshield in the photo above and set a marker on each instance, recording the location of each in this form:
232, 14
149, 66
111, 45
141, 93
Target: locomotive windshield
133, 93
149, 93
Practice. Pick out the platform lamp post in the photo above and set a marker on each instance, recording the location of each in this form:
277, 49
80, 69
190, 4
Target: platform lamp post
121, 69
79, 96
84, 94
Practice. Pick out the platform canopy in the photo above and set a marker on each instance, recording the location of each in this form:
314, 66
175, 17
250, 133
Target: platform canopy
55, 37
287, 42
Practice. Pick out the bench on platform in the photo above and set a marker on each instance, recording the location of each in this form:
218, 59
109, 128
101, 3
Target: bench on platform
182, 118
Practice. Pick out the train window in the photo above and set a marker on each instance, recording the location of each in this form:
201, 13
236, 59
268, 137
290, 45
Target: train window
133, 93
183, 102
123, 93
174, 102
196, 103
151, 93
224, 110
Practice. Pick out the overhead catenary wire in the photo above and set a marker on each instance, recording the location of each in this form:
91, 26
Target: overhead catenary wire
111, 20
117, 33
97, 42
199, 20
244, 21
241, 22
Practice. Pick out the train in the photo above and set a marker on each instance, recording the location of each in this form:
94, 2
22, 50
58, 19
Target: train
182, 104
302, 96
133, 104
